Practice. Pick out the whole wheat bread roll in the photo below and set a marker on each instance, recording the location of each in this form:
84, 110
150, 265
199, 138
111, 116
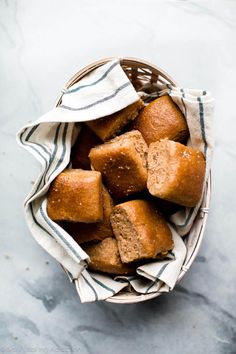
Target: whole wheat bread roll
82, 232
105, 257
161, 119
108, 127
76, 195
122, 163
85, 142
140, 230
175, 172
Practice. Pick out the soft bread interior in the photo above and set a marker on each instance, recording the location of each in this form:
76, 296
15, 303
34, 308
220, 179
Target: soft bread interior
141, 148
159, 166
126, 235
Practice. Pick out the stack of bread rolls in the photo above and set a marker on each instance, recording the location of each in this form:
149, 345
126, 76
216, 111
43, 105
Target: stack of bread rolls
130, 171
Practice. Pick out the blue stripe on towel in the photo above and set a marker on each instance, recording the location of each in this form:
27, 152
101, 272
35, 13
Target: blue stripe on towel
63, 150
30, 133
32, 147
91, 287
95, 82
152, 284
36, 221
157, 276
57, 232
99, 101
32, 130
182, 99
187, 219
54, 150
104, 286
202, 123
162, 270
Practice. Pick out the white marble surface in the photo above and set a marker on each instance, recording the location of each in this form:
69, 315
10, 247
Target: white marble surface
42, 44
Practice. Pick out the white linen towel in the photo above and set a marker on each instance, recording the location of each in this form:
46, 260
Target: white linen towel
103, 92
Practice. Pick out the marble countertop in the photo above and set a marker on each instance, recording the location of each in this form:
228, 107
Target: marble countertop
42, 44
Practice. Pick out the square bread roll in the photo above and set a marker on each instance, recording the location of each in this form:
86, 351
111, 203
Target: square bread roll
175, 172
82, 232
85, 142
105, 257
108, 127
122, 163
140, 230
76, 195
161, 119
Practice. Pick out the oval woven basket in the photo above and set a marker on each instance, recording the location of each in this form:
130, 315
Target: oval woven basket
141, 73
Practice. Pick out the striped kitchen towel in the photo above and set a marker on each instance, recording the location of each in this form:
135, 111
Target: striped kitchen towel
198, 108
102, 92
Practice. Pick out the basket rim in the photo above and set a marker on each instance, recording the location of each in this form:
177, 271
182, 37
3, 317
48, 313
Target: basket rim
123, 60
130, 298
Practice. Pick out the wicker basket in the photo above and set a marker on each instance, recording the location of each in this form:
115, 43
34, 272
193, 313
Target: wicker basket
140, 73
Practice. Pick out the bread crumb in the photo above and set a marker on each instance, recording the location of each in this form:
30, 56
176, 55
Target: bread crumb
185, 154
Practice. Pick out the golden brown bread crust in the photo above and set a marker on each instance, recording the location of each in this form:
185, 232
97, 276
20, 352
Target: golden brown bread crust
76, 196
105, 257
108, 127
161, 119
175, 172
122, 162
140, 230
82, 232
85, 142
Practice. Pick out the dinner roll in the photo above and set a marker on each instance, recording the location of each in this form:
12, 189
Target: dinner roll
83, 232
105, 257
76, 195
161, 119
108, 127
175, 172
122, 163
140, 230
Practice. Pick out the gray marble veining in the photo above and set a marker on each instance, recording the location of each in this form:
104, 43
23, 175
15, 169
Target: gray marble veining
42, 44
